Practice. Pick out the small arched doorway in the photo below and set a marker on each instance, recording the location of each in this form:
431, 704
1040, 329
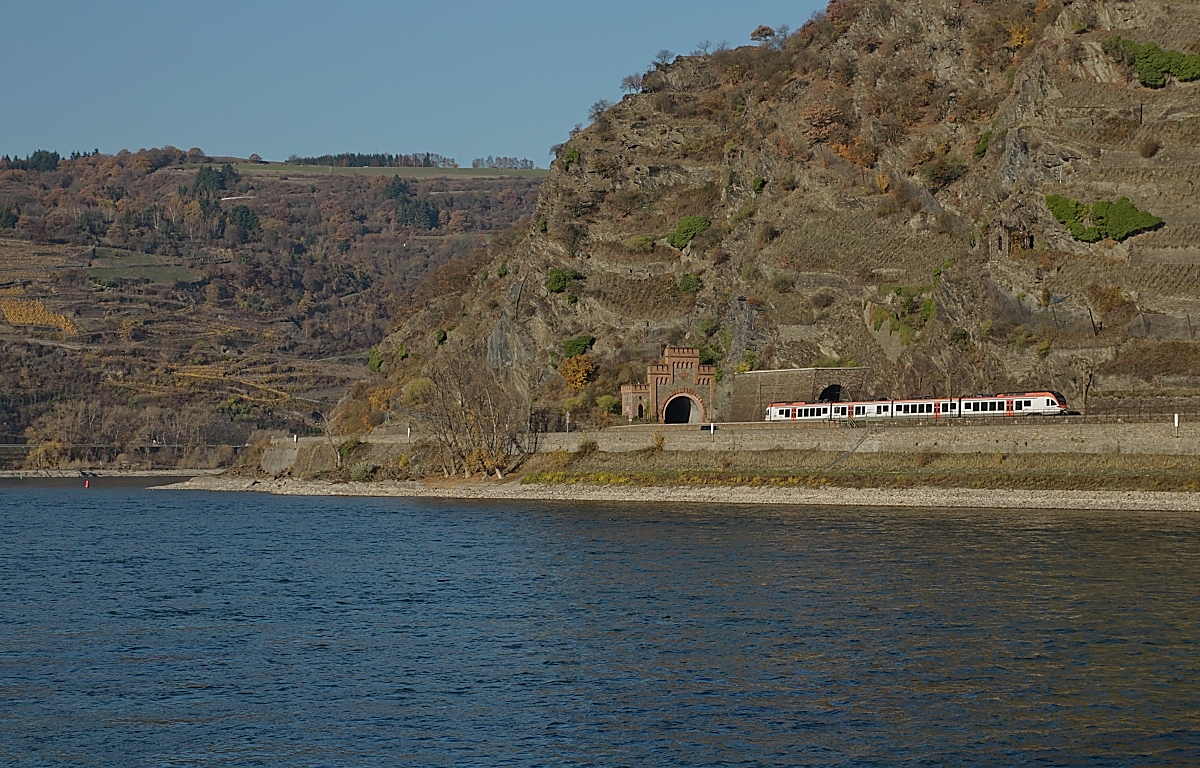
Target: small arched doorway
681, 410
641, 411
831, 394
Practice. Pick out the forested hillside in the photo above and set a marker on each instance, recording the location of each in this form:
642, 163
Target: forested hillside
160, 280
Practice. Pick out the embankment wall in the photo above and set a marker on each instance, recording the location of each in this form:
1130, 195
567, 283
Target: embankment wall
312, 455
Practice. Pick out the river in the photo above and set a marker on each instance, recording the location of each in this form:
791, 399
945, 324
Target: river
164, 628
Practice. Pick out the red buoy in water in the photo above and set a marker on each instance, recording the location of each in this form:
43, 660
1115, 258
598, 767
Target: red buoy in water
87, 483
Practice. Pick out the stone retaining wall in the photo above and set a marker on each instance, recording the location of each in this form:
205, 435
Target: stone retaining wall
312, 455
944, 437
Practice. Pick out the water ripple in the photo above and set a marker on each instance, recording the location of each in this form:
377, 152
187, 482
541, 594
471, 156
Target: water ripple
142, 628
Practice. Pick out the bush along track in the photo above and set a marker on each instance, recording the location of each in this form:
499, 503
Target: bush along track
1115, 221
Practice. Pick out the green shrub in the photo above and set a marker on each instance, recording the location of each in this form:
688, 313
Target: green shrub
570, 157
376, 360
572, 299
347, 449
1116, 221
1122, 219
687, 228
502, 270
943, 171
984, 142
363, 471
783, 284
834, 362
690, 283
608, 404
9, 214
578, 345
1152, 63
708, 326
928, 310
559, 279
759, 184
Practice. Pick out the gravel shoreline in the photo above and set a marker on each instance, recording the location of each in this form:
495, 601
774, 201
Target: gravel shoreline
963, 498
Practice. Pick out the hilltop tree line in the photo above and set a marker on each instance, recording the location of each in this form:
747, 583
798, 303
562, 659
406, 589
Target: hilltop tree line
41, 160
377, 160
513, 163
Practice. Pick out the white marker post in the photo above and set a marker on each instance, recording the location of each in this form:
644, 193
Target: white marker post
1177, 425
568, 422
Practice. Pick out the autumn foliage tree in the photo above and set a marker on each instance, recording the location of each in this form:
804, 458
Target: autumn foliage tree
577, 371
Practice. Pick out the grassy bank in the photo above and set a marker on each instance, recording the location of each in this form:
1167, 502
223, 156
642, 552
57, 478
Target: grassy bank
815, 469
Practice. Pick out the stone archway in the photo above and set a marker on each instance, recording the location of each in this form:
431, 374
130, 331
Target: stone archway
831, 394
683, 409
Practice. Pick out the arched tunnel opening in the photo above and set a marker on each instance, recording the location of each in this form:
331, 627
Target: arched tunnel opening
831, 394
681, 411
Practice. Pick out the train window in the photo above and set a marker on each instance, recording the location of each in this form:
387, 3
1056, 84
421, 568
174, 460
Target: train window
1028, 403
1020, 405
1049, 401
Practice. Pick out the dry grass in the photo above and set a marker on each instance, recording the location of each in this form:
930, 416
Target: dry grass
650, 299
873, 470
1171, 358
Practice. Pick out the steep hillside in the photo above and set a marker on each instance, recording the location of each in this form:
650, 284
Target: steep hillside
158, 298
872, 188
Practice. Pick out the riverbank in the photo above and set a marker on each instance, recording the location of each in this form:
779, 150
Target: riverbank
29, 474
957, 498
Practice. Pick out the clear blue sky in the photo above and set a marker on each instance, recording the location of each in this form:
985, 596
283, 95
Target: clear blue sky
463, 78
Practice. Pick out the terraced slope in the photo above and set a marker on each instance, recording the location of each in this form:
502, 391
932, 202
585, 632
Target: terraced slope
876, 186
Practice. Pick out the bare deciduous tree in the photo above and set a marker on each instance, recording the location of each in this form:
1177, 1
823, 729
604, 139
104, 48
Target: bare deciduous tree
598, 109
476, 416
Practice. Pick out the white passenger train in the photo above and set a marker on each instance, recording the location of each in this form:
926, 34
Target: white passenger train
1012, 404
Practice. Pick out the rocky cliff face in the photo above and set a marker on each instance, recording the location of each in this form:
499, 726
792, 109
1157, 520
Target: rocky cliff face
874, 188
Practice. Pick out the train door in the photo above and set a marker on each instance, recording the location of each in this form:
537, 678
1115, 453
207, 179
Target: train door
1008, 408
937, 409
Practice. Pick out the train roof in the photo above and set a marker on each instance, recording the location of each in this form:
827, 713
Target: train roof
1032, 393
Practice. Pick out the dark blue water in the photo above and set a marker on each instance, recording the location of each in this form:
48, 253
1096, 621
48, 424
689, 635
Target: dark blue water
157, 628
